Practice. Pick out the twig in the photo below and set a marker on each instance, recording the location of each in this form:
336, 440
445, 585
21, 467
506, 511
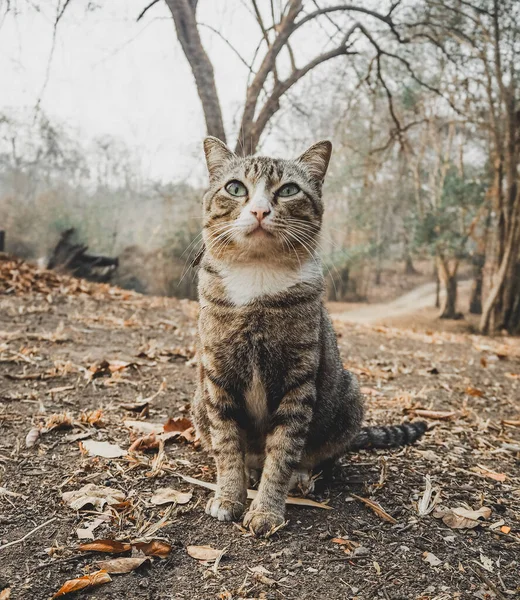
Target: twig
145, 9
27, 534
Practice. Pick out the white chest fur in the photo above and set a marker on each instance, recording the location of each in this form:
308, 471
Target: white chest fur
245, 283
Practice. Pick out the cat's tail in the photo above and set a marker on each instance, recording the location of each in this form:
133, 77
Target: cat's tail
388, 436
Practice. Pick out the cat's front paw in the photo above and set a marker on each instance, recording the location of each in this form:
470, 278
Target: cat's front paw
263, 523
224, 509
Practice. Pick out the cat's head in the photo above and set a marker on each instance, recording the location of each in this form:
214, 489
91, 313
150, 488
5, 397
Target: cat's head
260, 208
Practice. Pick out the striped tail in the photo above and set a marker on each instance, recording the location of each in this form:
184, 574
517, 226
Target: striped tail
388, 436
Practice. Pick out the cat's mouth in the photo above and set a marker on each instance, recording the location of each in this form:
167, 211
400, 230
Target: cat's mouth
259, 231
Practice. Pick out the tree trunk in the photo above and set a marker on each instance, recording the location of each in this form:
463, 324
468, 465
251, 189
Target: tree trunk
449, 279
183, 12
409, 269
475, 303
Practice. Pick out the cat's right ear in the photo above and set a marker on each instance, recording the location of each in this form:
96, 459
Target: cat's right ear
217, 153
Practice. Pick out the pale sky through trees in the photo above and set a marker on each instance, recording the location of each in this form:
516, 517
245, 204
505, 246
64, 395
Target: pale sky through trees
111, 75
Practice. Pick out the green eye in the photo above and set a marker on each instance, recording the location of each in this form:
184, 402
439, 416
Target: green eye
236, 188
289, 189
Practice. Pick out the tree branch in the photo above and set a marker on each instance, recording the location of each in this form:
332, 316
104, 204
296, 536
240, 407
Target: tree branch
146, 9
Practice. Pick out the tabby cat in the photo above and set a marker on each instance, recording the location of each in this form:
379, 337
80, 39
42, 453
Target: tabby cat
272, 392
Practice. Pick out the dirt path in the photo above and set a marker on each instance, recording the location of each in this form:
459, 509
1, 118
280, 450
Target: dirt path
408, 304
52, 348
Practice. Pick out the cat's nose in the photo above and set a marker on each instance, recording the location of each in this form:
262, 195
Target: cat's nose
260, 213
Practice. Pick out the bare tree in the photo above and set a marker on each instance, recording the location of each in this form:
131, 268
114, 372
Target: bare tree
347, 28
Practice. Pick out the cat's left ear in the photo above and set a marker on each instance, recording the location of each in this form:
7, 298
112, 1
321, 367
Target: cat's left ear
316, 159
217, 153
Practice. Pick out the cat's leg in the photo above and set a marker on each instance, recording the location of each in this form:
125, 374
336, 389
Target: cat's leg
284, 446
228, 450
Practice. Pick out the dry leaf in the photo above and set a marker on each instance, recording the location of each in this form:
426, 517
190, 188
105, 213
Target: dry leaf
153, 548
380, 512
32, 437
94, 495
144, 426
471, 391
110, 546
431, 559
5, 594
104, 449
74, 585
486, 562
442, 415
462, 518
87, 533
122, 565
426, 504
511, 423
92, 417
489, 473
59, 421
341, 541
251, 494
177, 424
505, 529
169, 495
203, 552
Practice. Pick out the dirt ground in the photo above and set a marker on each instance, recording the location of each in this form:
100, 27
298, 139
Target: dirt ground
52, 348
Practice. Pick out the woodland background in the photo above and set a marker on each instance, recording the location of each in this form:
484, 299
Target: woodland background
420, 98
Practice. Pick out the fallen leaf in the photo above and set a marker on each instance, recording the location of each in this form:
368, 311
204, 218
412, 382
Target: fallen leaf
426, 504
170, 496
370, 392
203, 552
94, 495
122, 565
505, 529
92, 417
5, 594
32, 437
154, 548
104, 449
87, 533
442, 415
380, 512
110, 546
489, 473
486, 562
74, 585
511, 423
59, 421
251, 494
471, 391
341, 541
177, 424
431, 559
462, 518
144, 426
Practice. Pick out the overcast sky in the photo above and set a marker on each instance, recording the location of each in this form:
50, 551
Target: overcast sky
112, 75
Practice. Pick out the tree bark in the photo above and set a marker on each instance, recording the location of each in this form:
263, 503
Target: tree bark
183, 12
448, 277
475, 303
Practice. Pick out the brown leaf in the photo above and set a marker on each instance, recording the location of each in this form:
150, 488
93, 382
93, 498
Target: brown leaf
203, 552
92, 417
122, 565
511, 423
177, 424
441, 415
505, 529
59, 421
5, 594
341, 541
471, 391
74, 585
380, 512
154, 548
147, 442
489, 473
32, 437
110, 546
170, 496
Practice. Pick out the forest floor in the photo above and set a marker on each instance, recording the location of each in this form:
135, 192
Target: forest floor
79, 362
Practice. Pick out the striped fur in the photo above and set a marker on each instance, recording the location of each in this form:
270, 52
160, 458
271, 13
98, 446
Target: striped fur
272, 392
